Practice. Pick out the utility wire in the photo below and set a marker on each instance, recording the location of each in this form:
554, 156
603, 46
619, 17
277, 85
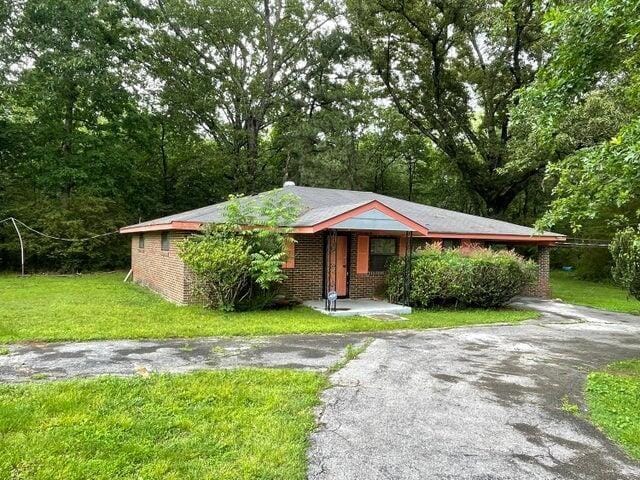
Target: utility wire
54, 237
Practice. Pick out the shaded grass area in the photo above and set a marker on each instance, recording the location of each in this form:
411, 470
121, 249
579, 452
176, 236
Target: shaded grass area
613, 398
566, 286
242, 424
101, 306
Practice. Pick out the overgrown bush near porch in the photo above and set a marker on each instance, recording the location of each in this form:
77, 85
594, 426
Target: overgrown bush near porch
480, 277
238, 263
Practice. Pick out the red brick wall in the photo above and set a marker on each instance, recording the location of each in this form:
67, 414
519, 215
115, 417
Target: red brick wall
167, 275
161, 271
541, 287
304, 281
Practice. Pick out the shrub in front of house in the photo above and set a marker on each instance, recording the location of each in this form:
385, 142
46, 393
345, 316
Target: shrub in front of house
477, 278
238, 266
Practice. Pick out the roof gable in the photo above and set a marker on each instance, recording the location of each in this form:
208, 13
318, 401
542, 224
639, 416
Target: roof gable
373, 215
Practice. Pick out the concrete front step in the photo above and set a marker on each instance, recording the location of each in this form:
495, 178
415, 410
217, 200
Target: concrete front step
348, 307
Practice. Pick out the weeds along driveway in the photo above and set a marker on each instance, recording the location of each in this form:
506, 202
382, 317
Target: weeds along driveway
476, 403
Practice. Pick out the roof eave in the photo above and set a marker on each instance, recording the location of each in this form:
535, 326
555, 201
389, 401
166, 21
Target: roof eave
157, 227
500, 237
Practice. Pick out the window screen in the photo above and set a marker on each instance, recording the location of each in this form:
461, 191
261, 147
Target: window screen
141, 240
164, 242
380, 251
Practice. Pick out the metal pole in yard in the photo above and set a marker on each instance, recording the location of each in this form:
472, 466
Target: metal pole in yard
13, 220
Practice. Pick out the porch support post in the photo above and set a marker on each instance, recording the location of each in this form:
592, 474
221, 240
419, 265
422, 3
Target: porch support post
544, 286
331, 273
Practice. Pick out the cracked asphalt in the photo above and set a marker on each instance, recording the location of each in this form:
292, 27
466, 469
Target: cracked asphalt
55, 361
476, 403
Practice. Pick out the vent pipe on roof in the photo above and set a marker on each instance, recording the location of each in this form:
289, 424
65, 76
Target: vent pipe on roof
289, 183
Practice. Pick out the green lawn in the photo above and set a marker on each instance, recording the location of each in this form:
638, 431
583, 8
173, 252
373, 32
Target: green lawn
613, 397
566, 286
101, 306
242, 424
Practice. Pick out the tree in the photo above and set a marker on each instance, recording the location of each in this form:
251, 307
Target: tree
453, 68
595, 63
231, 66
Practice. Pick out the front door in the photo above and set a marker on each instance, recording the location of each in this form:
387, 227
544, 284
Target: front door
342, 253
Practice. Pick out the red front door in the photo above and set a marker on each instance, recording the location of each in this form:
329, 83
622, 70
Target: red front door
341, 265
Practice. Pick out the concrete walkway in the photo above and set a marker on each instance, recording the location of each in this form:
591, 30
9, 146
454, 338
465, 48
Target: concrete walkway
476, 403
130, 357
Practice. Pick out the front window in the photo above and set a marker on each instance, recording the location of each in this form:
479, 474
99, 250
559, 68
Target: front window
164, 242
141, 240
380, 251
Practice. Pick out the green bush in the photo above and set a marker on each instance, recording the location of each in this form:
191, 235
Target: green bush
237, 267
594, 264
625, 250
481, 277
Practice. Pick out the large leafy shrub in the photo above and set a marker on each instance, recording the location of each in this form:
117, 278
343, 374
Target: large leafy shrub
625, 250
479, 277
238, 263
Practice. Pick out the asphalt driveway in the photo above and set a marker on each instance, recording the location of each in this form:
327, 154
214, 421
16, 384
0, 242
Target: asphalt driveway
57, 361
475, 403
467, 403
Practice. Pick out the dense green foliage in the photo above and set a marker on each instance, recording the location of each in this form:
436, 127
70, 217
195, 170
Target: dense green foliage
625, 250
613, 398
591, 81
607, 296
588, 263
479, 277
101, 306
453, 69
242, 424
236, 266
118, 111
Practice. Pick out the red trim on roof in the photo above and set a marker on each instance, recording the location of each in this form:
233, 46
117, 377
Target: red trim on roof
372, 205
550, 239
176, 225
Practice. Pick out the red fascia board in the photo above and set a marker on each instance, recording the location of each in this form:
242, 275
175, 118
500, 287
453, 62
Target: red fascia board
176, 225
500, 237
374, 204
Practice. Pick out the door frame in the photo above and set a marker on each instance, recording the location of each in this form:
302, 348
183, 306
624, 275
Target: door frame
325, 243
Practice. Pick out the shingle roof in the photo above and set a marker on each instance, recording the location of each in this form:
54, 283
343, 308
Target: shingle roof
320, 204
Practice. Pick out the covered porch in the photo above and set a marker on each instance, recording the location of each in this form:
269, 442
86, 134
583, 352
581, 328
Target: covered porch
356, 251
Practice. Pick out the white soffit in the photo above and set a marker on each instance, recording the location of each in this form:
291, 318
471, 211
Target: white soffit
372, 219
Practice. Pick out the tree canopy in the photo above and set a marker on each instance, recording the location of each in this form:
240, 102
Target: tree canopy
115, 111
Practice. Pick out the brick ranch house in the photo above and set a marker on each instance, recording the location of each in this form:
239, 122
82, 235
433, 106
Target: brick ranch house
343, 239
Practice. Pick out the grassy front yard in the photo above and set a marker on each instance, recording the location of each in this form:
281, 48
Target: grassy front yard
101, 306
606, 296
242, 424
613, 397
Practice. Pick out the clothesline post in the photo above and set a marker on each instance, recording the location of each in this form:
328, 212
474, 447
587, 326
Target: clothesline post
13, 220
